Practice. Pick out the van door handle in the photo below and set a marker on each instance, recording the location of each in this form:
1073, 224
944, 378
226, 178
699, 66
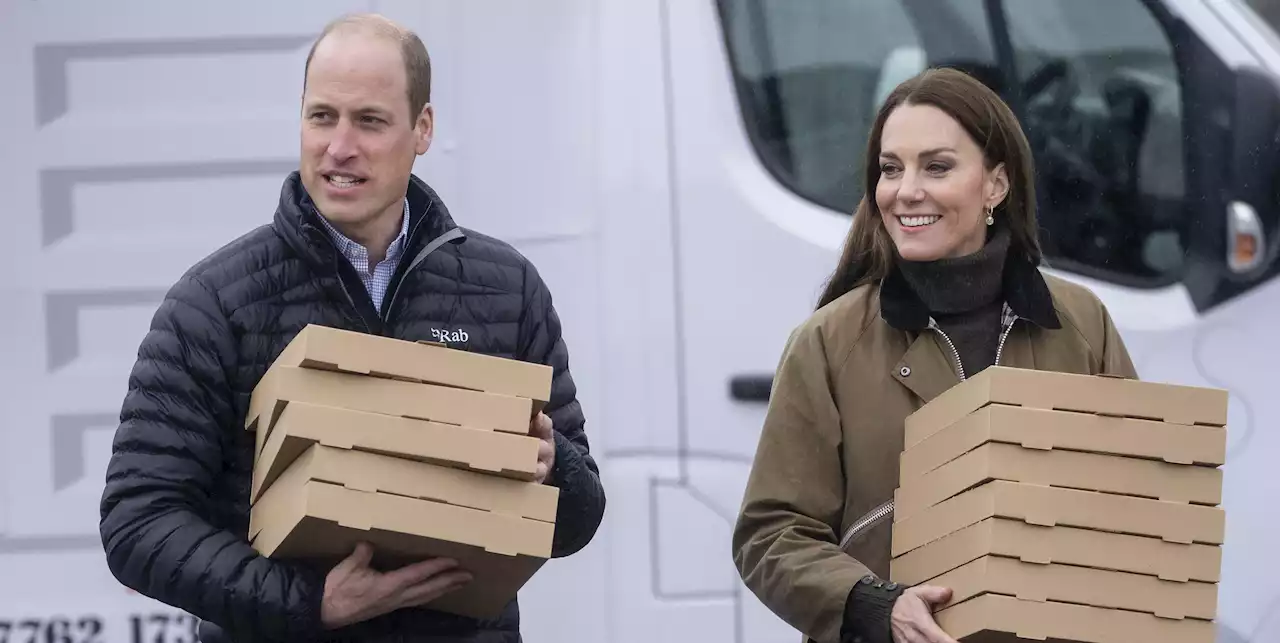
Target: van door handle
750, 388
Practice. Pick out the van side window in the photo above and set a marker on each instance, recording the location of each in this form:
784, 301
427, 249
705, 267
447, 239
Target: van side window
1104, 113
1096, 88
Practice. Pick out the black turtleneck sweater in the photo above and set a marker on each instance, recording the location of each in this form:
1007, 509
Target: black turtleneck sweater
963, 295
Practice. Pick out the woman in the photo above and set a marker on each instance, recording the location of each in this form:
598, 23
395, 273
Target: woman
938, 279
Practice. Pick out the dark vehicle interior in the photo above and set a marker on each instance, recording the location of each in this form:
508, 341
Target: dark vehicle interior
1095, 85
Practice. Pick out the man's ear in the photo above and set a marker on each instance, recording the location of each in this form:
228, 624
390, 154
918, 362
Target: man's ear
997, 186
424, 128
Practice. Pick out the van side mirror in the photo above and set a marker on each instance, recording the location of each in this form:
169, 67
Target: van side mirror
1253, 213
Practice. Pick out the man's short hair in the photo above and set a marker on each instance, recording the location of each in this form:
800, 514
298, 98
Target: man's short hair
417, 64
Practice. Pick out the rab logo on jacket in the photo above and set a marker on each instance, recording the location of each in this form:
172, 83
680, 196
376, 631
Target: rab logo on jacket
446, 336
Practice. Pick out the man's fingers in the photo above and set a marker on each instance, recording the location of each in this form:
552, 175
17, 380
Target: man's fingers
541, 426
359, 557
434, 588
546, 453
420, 572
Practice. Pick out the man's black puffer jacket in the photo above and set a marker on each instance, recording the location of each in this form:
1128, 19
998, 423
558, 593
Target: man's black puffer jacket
175, 511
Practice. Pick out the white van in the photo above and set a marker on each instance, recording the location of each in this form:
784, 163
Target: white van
681, 171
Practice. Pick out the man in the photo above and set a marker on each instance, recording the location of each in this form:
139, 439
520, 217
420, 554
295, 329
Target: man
357, 242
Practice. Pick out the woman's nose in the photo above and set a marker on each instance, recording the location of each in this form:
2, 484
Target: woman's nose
909, 189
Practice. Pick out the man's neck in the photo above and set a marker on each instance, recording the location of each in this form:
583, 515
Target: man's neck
376, 235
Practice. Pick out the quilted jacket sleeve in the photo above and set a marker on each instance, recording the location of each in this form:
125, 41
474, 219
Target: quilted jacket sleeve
176, 418
575, 473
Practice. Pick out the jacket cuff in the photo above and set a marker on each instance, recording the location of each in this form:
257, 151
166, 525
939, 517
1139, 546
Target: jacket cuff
867, 611
556, 476
307, 623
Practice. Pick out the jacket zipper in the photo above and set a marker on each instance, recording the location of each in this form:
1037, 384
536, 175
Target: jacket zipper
431, 247
352, 300
871, 519
954, 353
1007, 320
867, 522
337, 270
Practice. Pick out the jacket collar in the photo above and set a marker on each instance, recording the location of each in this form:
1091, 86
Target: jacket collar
1023, 288
299, 223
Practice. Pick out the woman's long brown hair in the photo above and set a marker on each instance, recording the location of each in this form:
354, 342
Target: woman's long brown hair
869, 253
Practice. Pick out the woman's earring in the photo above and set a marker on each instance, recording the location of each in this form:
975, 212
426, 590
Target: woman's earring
990, 219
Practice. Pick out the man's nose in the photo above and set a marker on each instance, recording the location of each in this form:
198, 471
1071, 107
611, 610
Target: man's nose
342, 145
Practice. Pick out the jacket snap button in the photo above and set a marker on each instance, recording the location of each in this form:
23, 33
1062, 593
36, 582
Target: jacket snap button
904, 371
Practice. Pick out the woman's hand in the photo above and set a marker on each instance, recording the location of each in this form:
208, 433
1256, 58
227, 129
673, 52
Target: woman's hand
912, 618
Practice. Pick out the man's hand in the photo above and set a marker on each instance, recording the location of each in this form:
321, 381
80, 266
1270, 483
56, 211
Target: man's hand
354, 592
912, 618
541, 428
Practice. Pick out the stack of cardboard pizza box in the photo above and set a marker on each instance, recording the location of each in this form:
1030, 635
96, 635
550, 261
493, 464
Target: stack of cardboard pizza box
419, 449
1065, 507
